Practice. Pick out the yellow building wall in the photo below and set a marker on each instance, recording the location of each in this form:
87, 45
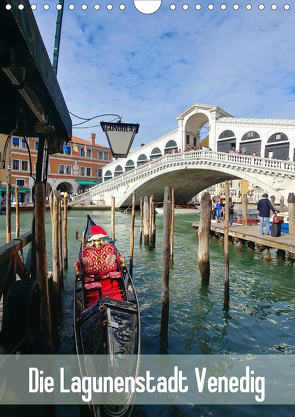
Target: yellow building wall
244, 187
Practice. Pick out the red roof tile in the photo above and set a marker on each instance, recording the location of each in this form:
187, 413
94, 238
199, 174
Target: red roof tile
80, 141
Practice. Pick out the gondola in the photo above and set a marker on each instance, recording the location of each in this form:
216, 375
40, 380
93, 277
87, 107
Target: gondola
106, 311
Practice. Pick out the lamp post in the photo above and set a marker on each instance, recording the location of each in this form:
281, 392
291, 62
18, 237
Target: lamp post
120, 137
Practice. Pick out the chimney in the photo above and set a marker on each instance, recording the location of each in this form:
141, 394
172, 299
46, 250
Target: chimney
92, 138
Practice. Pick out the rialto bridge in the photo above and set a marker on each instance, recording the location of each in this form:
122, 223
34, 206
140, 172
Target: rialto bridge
191, 172
200, 153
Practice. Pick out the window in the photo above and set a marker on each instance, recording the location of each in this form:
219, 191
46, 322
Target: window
82, 153
61, 169
82, 171
187, 139
99, 172
68, 169
15, 142
129, 165
251, 135
88, 172
118, 170
24, 165
108, 175
156, 153
226, 134
170, 145
24, 144
195, 141
88, 153
15, 164
36, 145
106, 156
278, 136
99, 155
142, 159
67, 150
20, 183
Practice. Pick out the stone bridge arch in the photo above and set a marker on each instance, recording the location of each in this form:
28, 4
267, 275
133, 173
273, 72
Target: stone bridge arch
189, 180
70, 186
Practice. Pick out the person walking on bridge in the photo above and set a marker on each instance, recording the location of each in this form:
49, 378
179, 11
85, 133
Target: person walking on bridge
264, 206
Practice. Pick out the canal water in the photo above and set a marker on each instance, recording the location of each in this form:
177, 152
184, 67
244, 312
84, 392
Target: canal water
260, 319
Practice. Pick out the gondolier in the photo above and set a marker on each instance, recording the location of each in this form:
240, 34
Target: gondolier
264, 206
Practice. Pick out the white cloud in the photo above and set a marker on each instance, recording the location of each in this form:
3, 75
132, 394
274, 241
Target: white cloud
149, 68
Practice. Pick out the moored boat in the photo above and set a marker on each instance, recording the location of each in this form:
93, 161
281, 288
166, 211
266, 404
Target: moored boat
181, 209
106, 311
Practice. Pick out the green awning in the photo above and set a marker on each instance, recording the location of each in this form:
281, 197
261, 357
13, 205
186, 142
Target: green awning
23, 190
20, 190
86, 182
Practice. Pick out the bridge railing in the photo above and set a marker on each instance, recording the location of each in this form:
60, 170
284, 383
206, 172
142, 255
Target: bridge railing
276, 165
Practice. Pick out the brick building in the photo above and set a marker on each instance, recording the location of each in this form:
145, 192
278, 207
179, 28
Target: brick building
75, 170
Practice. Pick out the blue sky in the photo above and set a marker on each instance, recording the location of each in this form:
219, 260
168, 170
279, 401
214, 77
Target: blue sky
149, 68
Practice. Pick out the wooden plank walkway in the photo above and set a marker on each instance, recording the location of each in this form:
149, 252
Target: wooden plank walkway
284, 242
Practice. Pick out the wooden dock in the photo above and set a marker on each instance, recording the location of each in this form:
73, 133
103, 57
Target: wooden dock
285, 242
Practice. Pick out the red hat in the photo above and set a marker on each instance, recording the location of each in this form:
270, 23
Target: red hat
97, 232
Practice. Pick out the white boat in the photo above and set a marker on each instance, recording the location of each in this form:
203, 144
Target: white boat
181, 209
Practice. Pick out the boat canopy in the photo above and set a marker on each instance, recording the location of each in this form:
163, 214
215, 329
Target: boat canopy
31, 100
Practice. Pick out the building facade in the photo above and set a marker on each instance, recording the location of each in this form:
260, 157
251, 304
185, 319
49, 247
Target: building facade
75, 170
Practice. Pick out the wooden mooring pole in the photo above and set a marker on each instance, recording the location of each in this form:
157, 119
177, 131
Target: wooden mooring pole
41, 266
282, 205
113, 218
245, 209
291, 209
61, 273
65, 231
172, 227
152, 223
204, 234
8, 208
141, 220
55, 294
8, 196
226, 255
132, 233
165, 267
146, 214
17, 222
